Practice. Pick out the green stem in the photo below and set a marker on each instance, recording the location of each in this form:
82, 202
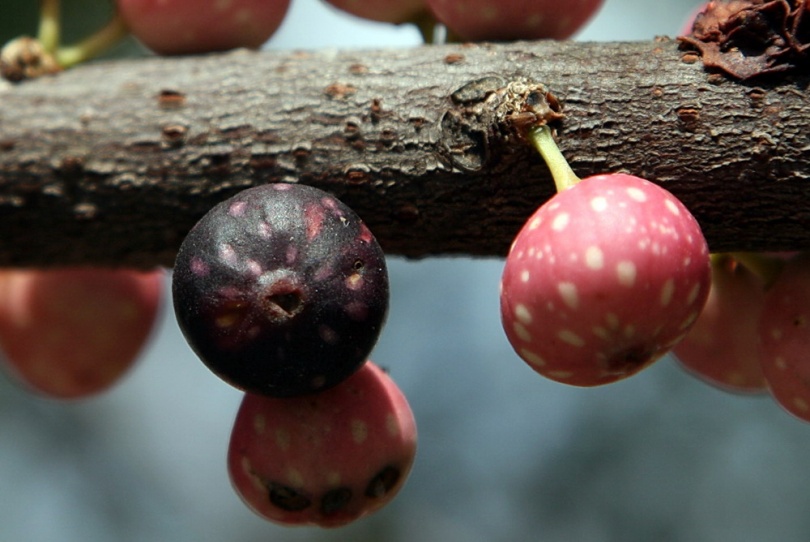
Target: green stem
767, 268
49, 29
110, 34
425, 22
543, 140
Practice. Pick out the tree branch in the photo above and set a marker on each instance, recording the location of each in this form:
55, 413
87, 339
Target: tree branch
111, 163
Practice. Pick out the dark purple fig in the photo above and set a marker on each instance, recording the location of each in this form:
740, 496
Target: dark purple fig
281, 290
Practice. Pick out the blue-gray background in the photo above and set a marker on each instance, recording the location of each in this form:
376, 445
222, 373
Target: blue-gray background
504, 454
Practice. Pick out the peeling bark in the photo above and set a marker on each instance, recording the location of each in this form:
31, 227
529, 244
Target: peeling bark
111, 163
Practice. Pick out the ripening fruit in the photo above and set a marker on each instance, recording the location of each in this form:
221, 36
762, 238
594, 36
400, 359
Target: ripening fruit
722, 349
386, 11
324, 459
603, 279
70, 333
179, 27
281, 290
784, 333
508, 20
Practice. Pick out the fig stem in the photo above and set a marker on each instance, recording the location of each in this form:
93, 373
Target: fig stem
767, 268
49, 28
425, 23
93, 45
543, 140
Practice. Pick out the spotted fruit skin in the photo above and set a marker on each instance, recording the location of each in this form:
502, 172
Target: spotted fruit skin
603, 280
326, 459
386, 11
180, 27
281, 290
722, 348
784, 334
509, 20
74, 332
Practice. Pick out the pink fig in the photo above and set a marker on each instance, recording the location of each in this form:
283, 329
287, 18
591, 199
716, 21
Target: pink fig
180, 27
324, 459
508, 20
722, 348
386, 11
604, 278
70, 333
784, 333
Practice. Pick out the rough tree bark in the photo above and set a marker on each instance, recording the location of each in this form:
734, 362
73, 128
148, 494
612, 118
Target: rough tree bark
112, 163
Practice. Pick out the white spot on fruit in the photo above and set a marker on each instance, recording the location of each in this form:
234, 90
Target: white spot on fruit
259, 424
328, 335
626, 273
532, 357
199, 267
534, 20
570, 295
237, 208
691, 297
560, 221
601, 332
801, 404
672, 207
391, 425
354, 281
291, 255
264, 230
569, 337
243, 16
594, 258
254, 268
227, 254
282, 439
667, 292
525, 275
779, 363
522, 333
294, 477
599, 204
637, 194
359, 431
357, 311
535, 223
523, 314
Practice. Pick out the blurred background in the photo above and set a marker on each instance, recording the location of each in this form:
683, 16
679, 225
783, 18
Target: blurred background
504, 455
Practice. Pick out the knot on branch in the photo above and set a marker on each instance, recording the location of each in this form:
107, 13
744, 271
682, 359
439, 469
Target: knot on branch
489, 115
26, 58
752, 38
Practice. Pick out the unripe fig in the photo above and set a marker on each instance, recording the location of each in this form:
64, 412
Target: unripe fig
508, 20
281, 290
325, 459
175, 27
73, 332
722, 348
386, 11
603, 279
784, 333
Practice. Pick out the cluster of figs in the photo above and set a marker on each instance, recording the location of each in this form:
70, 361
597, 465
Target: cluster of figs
282, 291
613, 272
